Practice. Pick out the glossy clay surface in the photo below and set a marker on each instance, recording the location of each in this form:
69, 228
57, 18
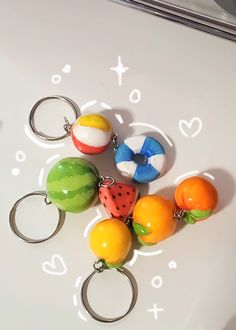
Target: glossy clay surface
153, 219
153, 153
72, 184
119, 199
111, 240
198, 197
181, 74
91, 133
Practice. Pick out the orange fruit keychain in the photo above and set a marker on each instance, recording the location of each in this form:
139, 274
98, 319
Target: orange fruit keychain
74, 184
154, 219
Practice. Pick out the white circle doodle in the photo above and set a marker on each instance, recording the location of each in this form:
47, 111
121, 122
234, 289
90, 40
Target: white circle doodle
40, 178
75, 300
154, 128
56, 79
142, 253
92, 222
105, 106
209, 175
15, 171
186, 175
20, 156
40, 143
172, 264
157, 282
119, 118
66, 68
135, 96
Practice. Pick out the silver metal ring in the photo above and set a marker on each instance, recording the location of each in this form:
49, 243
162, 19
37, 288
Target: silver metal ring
67, 126
84, 293
17, 232
106, 181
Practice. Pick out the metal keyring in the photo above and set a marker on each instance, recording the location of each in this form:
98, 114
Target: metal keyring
99, 267
17, 232
106, 181
67, 126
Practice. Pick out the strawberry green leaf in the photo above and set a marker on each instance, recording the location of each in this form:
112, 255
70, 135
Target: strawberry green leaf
140, 230
145, 243
188, 218
200, 214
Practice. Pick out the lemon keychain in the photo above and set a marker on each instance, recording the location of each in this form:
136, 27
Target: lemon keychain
74, 184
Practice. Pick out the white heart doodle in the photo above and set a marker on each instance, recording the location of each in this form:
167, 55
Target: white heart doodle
56, 266
194, 127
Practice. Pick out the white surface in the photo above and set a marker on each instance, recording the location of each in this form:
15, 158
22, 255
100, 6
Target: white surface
180, 74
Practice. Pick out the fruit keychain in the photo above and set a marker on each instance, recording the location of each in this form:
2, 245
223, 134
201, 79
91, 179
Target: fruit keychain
73, 185
154, 219
140, 158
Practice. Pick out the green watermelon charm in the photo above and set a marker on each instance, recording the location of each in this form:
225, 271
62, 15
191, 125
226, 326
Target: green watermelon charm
118, 199
72, 184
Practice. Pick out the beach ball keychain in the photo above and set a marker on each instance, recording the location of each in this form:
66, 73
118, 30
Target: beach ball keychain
140, 158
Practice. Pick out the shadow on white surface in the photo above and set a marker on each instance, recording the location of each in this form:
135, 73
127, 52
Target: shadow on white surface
231, 325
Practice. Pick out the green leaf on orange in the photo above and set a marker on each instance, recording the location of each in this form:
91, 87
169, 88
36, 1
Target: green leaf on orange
200, 214
140, 230
188, 218
109, 265
145, 243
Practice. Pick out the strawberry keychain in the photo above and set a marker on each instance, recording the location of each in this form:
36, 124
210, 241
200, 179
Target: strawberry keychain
140, 158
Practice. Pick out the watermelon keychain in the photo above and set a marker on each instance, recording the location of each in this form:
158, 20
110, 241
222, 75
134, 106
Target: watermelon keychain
140, 158
73, 185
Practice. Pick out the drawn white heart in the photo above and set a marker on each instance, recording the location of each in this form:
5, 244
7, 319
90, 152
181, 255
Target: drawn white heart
194, 127
56, 266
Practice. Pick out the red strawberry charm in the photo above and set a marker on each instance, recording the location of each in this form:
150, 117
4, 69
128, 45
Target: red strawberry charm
118, 198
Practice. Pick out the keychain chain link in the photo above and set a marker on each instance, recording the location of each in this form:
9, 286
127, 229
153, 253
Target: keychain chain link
47, 201
179, 215
99, 266
114, 141
67, 126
